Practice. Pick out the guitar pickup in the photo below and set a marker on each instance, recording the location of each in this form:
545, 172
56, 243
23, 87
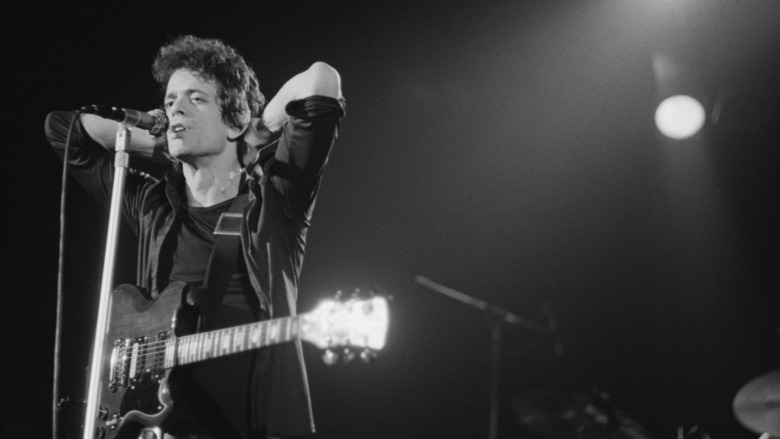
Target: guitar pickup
120, 362
138, 355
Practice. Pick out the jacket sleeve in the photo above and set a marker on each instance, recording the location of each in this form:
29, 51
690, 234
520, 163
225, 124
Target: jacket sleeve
281, 201
89, 163
301, 153
92, 165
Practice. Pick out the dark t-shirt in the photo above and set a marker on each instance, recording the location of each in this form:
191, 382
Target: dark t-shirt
217, 393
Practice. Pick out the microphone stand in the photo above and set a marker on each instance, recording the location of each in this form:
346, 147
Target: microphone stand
495, 354
121, 161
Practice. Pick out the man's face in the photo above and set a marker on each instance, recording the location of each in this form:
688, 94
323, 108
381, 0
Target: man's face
196, 128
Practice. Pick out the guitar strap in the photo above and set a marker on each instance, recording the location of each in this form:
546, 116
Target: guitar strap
221, 266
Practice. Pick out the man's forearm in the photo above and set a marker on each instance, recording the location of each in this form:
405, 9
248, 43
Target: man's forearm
103, 132
319, 79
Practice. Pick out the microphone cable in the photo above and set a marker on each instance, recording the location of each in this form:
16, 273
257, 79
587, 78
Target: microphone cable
61, 271
60, 281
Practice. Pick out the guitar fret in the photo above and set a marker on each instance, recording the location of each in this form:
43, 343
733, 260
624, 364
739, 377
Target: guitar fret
215, 343
191, 344
197, 344
182, 350
208, 340
159, 355
170, 352
273, 327
187, 352
193, 354
202, 346
239, 339
225, 342
254, 335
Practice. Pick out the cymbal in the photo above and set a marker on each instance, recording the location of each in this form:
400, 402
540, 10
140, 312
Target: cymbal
757, 404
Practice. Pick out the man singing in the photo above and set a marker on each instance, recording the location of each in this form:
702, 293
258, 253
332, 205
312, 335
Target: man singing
231, 154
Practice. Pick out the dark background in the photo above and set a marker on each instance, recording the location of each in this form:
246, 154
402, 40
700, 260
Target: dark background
506, 150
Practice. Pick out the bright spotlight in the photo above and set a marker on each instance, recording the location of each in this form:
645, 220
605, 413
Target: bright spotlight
679, 117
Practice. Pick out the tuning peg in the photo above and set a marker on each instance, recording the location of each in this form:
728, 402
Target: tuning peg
379, 291
367, 355
348, 355
329, 357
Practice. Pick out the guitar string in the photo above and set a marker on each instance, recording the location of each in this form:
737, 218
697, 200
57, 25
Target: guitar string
149, 352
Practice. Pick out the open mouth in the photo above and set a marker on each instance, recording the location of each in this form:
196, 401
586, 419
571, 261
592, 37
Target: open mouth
176, 129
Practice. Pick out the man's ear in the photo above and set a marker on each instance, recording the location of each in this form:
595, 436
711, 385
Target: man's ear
235, 134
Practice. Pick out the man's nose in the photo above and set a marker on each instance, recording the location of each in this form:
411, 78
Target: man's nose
177, 107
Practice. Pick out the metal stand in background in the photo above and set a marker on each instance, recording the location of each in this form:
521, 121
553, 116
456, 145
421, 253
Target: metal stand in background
121, 161
505, 317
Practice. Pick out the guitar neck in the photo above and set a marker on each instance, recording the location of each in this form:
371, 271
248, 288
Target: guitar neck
212, 344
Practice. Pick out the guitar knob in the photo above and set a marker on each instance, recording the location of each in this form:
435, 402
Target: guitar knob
329, 357
102, 413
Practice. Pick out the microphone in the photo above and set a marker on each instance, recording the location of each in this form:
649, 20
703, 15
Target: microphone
552, 327
155, 122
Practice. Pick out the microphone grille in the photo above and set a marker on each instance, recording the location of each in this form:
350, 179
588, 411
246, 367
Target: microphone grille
160, 123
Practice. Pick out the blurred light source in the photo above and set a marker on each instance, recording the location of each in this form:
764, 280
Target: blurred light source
679, 117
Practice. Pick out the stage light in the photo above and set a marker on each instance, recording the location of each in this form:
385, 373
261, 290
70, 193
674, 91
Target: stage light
679, 117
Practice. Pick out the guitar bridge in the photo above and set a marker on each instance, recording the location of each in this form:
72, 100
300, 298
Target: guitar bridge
132, 358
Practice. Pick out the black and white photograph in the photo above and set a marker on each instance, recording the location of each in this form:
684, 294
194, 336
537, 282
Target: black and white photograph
527, 219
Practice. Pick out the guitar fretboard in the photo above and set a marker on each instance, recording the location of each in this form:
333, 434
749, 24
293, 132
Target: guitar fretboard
202, 346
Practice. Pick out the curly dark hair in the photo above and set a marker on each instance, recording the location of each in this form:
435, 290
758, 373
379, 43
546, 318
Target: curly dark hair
212, 59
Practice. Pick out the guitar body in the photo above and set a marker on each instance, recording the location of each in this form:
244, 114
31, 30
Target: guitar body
135, 401
147, 339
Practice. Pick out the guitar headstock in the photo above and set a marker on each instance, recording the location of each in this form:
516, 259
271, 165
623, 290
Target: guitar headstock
353, 323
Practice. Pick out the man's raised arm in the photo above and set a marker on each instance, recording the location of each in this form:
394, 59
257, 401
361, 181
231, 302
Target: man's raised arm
103, 132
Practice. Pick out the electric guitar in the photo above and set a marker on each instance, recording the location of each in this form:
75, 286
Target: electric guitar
148, 338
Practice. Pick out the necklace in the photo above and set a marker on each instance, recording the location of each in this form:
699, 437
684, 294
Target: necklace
231, 176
